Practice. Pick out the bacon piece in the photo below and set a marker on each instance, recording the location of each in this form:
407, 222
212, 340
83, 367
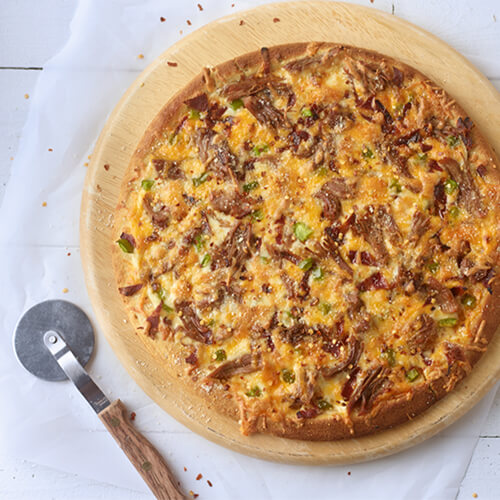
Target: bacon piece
130, 290
374, 282
308, 413
192, 359
192, 324
419, 226
464, 126
153, 320
199, 102
367, 259
238, 366
262, 108
232, 203
468, 195
352, 349
397, 76
421, 333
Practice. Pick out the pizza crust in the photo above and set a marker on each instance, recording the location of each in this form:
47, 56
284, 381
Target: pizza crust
385, 415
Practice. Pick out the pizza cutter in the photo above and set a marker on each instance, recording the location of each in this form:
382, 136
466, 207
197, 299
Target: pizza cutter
54, 340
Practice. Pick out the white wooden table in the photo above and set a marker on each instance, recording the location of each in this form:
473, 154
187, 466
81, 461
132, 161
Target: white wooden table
31, 31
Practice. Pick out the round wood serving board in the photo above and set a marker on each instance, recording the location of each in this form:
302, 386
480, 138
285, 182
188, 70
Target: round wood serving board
217, 42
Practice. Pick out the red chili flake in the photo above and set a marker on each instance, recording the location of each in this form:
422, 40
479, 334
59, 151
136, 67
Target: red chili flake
199, 476
425, 147
185, 470
200, 7
106, 166
162, 19
173, 64
242, 22
349, 473
209, 483
50, 149
188, 22
232, 5
276, 20
132, 416
69, 253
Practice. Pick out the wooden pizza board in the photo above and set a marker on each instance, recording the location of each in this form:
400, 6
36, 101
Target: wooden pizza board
214, 43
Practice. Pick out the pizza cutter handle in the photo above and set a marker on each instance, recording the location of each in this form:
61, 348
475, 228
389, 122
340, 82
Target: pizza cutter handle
144, 457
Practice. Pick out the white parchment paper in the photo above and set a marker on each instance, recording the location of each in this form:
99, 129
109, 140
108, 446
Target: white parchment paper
49, 423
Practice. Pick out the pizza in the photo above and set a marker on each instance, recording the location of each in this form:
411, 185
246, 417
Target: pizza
309, 235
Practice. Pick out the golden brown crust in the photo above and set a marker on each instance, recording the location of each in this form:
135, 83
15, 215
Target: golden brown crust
387, 413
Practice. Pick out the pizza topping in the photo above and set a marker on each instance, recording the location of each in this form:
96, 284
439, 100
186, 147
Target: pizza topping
199, 102
232, 203
421, 333
262, 108
153, 321
192, 325
126, 242
130, 290
235, 248
352, 351
160, 214
468, 195
420, 225
442, 295
239, 366
372, 383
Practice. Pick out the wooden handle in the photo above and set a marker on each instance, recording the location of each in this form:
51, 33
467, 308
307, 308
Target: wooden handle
143, 455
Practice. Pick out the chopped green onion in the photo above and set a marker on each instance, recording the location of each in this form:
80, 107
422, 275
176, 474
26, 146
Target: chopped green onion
254, 392
390, 356
302, 231
198, 242
322, 171
395, 185
422, 157
452, 140
454, 211
288, 376
433, 267
125, 245
306, 264
264, 259
220, 355
448, 321
172, 138
205, 261
257, 150
236, 104
306, 113
450, 186
194, 114
257, 214
324, 307
468, 300
147, 184
166, 308
197, 181
367, 153
323, 404
250, 186
412, 375
317, 273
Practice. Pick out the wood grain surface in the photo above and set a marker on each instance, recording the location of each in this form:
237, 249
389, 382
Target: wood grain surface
213, 44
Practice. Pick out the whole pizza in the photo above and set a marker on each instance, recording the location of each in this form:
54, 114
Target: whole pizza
309, 235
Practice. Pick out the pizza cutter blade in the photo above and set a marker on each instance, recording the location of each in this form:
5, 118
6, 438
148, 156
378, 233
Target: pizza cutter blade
54, 340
